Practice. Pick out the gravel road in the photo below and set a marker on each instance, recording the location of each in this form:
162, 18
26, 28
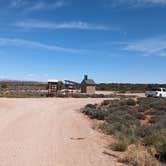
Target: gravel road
49, 132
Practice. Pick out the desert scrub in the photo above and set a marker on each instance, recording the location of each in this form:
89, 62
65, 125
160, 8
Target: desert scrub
120, 145
143, 131
123, 120
106, 128
94, 113
26, 94
137, 155
158, 140
131, 102
122, 141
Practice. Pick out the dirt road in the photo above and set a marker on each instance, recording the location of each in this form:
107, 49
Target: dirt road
49, 132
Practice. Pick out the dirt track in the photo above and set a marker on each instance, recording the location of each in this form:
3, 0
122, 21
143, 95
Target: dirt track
49, 132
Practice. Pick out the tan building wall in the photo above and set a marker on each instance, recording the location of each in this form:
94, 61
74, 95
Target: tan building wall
88, 89
83, 88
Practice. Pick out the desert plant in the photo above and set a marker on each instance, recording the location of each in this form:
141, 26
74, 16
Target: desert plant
138, 156
131, 102
121, 143
122, 119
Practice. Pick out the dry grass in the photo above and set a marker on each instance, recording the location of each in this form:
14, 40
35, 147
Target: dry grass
137, 155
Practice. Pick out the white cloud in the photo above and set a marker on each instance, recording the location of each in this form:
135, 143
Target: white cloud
36, 5
151, 46
34, 44
31, 75
136, 3
35, 77
34, 24
46, 6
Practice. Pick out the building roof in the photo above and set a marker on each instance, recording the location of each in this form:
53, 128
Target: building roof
53, 81
89, 82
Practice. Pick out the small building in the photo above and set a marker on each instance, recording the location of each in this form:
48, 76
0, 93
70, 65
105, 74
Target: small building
53, 87
88, 86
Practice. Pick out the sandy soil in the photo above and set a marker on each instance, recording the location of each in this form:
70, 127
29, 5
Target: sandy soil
125, 94
49, 132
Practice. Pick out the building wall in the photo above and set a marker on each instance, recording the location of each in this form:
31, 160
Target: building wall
83, 88
52, 87
88, 89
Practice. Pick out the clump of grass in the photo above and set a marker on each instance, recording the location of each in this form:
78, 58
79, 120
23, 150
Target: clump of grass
121, 143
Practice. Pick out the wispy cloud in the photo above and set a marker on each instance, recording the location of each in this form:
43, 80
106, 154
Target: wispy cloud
34, 24
152, 46
34, 44
17, 3
36, 5
35, 77
136, 3
46, 6
31, 75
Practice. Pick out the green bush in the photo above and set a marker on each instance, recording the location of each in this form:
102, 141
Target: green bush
92, 106
121, 144
106, 128
150, 139
160, 145
93, 112
106, 102
158, 140
131, 102
143, 131
161, 151
161, 123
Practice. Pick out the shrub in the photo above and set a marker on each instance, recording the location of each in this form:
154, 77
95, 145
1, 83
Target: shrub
160, 145
106, 128
94, 113
131, 102
158, 140
121, 144
122, 119
143, 131
138, 156
150, 139
98, 96
161, 123
153, 119
106, 102
161, 151
141, 109
140, 116
92, 106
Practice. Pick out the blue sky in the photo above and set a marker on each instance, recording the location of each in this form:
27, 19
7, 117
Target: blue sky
110, 40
